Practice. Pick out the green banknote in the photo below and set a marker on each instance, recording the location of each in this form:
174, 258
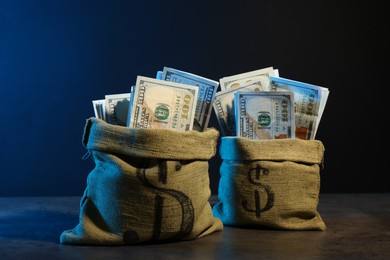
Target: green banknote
116, 108
259, 77
224, 107
206, 93
99, 108
159, 74
309, 103
264, 114
162, 104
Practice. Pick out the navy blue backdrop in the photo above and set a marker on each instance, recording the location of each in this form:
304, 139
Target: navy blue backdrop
57, 56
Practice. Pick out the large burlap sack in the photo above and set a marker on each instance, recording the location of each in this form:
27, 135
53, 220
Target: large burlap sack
147, 185
270, 183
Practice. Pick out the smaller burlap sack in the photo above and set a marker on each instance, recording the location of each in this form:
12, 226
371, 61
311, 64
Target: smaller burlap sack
270, 183
148, 185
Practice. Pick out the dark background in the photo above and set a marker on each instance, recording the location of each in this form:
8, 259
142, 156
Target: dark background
57, 56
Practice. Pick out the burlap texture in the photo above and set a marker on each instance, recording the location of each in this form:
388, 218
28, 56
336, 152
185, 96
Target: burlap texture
270, 183
147, 185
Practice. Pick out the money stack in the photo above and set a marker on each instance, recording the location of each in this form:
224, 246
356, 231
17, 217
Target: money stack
175, 99
257, 104
261, 105
113, 108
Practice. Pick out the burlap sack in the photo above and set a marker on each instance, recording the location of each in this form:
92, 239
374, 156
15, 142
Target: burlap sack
147, 185
270, 183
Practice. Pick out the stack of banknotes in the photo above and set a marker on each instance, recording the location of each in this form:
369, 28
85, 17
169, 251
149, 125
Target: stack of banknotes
257, 104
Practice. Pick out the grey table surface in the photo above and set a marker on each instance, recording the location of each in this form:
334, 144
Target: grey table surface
358, 227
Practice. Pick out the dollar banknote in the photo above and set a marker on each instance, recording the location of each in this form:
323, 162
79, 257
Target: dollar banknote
261, 77
162, 104
130, 105
224, 107
116, 108
207, 89
264, 114
99, 108
323, 101
309, 103
159, 74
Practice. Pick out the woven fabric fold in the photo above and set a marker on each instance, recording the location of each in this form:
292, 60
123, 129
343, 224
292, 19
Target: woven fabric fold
150, 143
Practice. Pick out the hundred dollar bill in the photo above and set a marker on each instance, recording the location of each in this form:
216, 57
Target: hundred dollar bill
264, 114
99, 108
323, 101
261, 77
130, 105
309, 102
116, 108
224, 107
206, 93
162, 104
159, 74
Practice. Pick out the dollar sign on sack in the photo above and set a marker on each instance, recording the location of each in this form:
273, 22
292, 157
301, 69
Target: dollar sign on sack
254, 175
187, 210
